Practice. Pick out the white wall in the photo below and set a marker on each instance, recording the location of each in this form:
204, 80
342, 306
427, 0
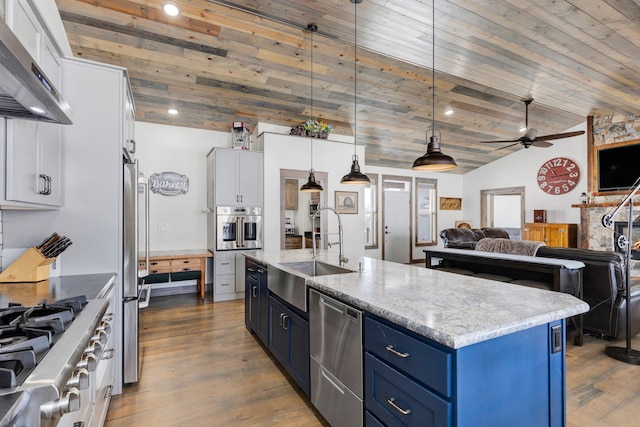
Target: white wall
294, 152
449, 185
177, 222
520, 170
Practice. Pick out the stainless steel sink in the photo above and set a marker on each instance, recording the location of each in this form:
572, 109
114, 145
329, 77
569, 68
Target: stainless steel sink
291, 287
315, 268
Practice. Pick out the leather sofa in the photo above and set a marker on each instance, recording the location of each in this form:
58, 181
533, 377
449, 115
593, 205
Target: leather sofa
603, 288
466, 238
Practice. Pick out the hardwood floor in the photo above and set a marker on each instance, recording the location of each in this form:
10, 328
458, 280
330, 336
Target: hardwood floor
201, 367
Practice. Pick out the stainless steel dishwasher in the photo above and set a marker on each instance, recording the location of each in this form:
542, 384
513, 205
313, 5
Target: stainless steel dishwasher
336, 360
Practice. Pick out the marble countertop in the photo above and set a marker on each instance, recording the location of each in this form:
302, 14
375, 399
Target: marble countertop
452, 309
93, 286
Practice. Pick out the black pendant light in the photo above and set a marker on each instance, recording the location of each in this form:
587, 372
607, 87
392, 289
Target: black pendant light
434, 160
355, 176
311, 186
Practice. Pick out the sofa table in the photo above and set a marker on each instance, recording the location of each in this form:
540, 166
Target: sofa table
178, 265
560, 275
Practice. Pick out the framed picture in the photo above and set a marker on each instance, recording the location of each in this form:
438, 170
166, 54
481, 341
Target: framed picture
347, 202
450, 203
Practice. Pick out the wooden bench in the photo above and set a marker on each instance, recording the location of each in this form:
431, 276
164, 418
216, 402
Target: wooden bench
165, 266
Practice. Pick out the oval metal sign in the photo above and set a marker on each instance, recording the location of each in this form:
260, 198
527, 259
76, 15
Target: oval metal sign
169, 183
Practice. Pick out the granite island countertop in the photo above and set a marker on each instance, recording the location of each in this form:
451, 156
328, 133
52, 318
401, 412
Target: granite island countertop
452, 309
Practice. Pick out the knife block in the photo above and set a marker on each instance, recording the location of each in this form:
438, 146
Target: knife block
31, 266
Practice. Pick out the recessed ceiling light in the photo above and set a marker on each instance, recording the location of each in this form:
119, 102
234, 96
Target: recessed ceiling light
37, 110
172, 111
170, 9
448, 112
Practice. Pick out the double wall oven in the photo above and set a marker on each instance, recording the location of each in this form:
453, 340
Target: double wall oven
238, 228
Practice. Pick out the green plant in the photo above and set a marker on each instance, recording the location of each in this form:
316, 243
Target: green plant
316, 126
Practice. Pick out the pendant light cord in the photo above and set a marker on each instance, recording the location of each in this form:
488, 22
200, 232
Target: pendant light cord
433, 69
355, 78
312, 28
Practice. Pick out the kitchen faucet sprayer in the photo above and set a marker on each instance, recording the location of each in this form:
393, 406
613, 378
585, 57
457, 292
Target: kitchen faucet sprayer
341, 258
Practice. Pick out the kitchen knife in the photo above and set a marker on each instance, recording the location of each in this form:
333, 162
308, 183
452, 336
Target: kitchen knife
55, 236
52, 248
50, 243
61, 248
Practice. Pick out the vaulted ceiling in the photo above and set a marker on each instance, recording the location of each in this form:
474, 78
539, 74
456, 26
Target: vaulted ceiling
221, 61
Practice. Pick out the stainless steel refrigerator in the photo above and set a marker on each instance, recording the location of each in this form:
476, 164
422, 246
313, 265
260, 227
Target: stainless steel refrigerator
131, 290
100, 212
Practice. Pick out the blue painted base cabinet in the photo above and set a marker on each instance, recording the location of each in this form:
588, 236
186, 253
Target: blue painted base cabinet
256, 314
289, 341
513, 380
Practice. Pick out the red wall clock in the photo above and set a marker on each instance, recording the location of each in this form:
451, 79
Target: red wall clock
558, 176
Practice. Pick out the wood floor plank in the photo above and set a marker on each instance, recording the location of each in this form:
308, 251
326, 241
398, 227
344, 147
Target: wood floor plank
201, 367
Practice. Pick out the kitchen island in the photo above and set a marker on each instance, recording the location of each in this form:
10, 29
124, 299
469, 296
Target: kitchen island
483, 352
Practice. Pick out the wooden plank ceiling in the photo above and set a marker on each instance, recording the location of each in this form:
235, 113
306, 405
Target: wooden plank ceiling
249, 60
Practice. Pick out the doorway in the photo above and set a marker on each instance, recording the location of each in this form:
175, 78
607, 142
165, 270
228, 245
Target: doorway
396, 219
503, 208
300, 216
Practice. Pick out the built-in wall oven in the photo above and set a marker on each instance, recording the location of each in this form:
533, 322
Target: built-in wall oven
238, 228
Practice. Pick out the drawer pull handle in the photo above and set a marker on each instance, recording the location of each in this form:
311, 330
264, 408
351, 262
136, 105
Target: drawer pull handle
396, 352
224, 263
392, 401
333, 383
108, 391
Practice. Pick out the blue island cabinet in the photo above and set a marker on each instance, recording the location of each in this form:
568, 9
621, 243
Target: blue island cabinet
289, 340
512, 380
256, 296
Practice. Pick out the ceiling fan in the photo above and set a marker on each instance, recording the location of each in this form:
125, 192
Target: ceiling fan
530, 138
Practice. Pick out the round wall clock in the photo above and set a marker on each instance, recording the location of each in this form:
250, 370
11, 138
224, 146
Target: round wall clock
558, 176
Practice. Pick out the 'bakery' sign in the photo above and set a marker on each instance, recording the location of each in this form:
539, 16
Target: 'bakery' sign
169, 183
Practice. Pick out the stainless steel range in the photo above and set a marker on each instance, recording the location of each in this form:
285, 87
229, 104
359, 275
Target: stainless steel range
49, 356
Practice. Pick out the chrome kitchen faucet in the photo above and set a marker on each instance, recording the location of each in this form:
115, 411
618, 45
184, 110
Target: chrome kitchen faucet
341, 258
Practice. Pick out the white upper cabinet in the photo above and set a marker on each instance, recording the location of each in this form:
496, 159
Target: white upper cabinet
32, 149
238, 177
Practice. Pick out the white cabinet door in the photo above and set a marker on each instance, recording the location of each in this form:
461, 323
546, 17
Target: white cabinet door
238, 177
33, 163
226, 176
250, 178
25, 25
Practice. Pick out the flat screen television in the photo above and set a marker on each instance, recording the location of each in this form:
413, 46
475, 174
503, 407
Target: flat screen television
618, 167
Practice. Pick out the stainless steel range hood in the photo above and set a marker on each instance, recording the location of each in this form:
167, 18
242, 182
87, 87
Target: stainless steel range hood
25, 92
